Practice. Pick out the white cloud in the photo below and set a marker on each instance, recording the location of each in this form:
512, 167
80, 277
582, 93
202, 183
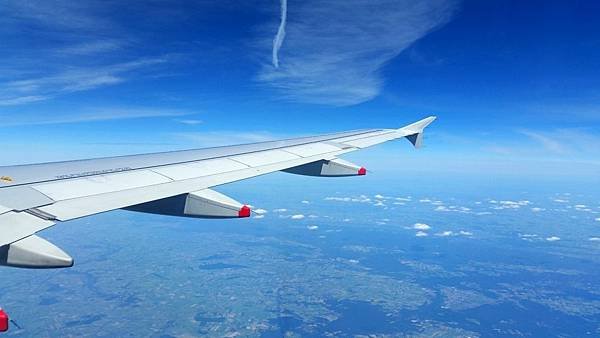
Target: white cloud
280, 36
421, 226
537, 209
92, 47
339, 199
558, 200
22, 91
552, 238
88, 115
595, 239
359, 199
499, 205
597, 219
260, 211
15, 101
466, 233
259, 216
312, 227
334, 50
190, 122
453, 208
529, 237
305, 202
298, 216
378, 196
567, 141
549, 143
421, 234
445, 233
280, 210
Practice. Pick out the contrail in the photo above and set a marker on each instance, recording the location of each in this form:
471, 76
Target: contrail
278, 40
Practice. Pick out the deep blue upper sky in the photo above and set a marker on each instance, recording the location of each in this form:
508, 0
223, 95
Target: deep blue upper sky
514, 83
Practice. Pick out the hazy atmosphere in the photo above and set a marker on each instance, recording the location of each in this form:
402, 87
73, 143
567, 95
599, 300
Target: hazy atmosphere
491, 229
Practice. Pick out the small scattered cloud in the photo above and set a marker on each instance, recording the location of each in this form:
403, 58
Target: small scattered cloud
537, 209
421, 234
305, 202
312, 227
339, 199
449, 233
297, 216
529, 237
280, 210
594, 239
259, 216
359, 199
452, 208
500, 205
553, 239
260, 211
421, 226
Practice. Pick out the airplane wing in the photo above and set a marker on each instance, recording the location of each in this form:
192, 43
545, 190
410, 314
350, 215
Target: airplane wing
35, 197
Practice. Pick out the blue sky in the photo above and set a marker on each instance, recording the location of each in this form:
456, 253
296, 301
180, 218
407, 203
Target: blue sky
515, 84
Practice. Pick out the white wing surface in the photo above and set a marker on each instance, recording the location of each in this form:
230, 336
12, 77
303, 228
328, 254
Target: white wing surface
35, 197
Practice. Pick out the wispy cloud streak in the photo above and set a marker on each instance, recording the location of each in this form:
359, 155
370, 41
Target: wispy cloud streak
334, 50
566, 141
225, 137
73, 80
89, 115
278, 41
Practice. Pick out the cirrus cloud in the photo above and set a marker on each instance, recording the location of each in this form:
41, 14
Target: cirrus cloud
334, 50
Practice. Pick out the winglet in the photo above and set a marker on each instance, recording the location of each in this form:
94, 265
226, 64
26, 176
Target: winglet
414, 132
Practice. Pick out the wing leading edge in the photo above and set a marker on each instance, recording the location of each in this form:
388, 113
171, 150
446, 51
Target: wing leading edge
35, 197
